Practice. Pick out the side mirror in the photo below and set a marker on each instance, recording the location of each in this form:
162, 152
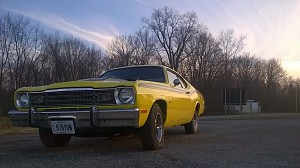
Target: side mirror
176, 82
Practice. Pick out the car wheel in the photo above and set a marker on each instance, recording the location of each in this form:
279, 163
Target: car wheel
192, 127
152, 133
51, 140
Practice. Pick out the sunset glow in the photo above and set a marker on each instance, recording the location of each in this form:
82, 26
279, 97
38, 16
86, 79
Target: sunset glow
292, 68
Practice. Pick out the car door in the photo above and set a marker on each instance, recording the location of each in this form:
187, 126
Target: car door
180, 104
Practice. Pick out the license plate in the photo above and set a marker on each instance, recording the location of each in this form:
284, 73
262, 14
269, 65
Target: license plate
63, 127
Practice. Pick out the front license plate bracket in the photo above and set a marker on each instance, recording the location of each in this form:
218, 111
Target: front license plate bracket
62, 127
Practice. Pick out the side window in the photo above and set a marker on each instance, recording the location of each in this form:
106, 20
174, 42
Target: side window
183, 83
172, 77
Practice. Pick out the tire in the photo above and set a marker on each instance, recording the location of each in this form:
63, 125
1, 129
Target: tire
152, 133
51, 140
192, 127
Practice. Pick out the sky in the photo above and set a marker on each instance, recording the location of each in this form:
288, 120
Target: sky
272, 27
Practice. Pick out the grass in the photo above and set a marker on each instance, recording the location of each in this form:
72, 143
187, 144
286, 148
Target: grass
6, 128
5, 123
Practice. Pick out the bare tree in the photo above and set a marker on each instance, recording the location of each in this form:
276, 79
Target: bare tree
21, 45
5, 47
93, 63
248, 73
173, 31
274, 76
204, 61
67, 58
137, 49
231, 47
244, 70
145, 47
74, 53
52, 59
121, 50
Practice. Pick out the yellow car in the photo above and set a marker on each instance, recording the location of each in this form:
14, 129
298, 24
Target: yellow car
136, 99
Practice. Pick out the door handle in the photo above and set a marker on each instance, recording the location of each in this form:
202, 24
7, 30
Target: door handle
187, 92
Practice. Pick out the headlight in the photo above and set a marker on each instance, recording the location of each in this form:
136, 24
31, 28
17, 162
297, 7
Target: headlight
22, 100
124, 96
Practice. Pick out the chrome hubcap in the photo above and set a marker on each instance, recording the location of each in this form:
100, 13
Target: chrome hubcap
159, 127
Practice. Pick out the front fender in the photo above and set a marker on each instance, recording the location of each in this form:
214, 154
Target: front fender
144, 103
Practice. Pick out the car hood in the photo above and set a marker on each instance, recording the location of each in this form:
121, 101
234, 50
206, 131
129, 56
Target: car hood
87, 83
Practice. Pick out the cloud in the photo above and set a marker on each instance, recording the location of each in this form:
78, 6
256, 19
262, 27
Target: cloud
100, 39
141, 2
97, 38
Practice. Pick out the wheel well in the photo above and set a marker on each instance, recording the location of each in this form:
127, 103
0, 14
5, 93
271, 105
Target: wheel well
163, 106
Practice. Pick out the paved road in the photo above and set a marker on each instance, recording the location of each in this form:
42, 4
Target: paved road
222, 143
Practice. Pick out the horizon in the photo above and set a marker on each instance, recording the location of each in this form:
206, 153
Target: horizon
271, 27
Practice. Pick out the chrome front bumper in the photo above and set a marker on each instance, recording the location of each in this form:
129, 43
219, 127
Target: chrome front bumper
83, 119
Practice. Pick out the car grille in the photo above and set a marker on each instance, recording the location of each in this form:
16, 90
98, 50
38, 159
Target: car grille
76, 97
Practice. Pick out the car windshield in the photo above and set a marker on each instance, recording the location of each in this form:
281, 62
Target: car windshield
155, 74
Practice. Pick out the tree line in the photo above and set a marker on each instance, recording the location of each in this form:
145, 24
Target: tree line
29, 56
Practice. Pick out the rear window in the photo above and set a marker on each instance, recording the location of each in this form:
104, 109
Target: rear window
148, 73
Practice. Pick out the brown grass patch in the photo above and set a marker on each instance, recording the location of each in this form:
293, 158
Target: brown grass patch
6, 128
5, 123
18, 130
